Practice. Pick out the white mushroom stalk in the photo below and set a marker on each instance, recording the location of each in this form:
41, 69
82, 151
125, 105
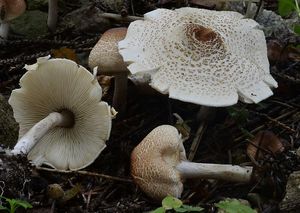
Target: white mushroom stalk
9, 9
63, 122
159, 165
4, 29
214, 171
52, 14
120, 92
54, 119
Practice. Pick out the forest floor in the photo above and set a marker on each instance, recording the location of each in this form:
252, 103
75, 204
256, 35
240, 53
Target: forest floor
107, 185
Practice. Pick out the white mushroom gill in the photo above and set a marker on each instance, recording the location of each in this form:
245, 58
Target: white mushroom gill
61, 115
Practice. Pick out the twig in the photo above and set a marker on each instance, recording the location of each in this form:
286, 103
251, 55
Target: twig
196, 141
276, 122
120, 18
124, 10
82, 172
283, 104
262, 126
22, 59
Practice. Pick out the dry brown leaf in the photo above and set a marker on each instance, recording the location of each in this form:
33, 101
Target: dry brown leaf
65, 52
264, 141
277, 52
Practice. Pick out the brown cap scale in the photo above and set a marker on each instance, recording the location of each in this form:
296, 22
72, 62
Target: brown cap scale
159, 165
211, 58
153, 161
106, 57
10, 9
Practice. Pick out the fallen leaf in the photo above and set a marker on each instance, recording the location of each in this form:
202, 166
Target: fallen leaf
262, 142
65, 52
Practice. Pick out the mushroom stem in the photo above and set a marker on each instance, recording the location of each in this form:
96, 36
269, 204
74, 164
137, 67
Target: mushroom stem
120, 93
214, 171
204, 116
29, 140
4, 28
52, 14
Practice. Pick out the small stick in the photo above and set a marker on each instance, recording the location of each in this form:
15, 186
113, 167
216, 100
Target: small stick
262, 126
82, 172
118, 17
276, 122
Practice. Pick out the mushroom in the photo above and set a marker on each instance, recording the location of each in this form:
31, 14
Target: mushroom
106, 57
52, 14
159, 165
9, 10
210, 58
62, 121
200, 56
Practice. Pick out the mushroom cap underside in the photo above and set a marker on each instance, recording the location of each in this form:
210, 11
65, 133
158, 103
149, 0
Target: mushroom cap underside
60, 84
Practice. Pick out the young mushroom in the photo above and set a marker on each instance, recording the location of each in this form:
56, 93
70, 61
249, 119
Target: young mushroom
9, 10
63, 122
210, 58
159, 165
106, 57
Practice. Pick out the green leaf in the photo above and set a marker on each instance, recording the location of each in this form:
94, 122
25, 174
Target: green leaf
23, 203
192, 208
234, 206
297, 29
170, 202
159, 210
285, 7
181, 209
187, 208
4, 208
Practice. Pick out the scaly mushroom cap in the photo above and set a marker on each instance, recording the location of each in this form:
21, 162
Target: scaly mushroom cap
60, 84
11, 9
200, 56
105, 53
153, 162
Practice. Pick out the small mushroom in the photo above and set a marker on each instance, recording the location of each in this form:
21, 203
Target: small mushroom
159, 165
106, 57
9, 10
63, 122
